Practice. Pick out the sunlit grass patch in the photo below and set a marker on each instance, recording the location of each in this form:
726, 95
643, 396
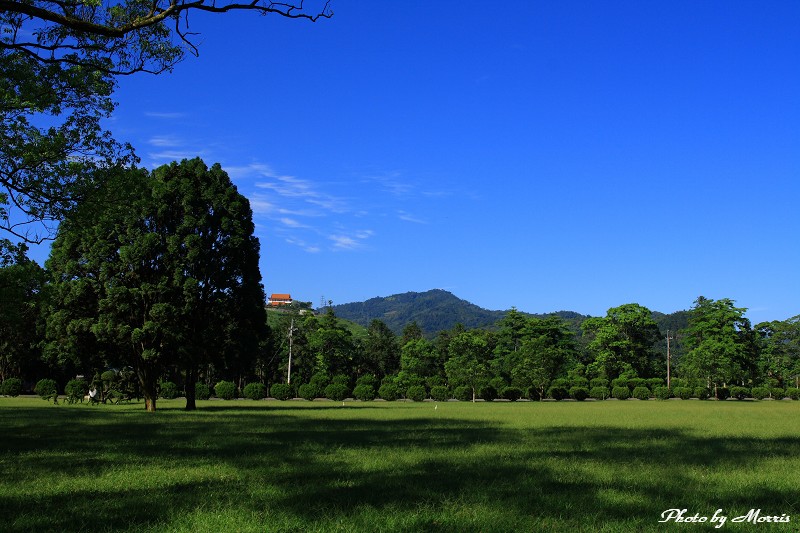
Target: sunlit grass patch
380, 466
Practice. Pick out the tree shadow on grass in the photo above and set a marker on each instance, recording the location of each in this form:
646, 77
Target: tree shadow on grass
309, 470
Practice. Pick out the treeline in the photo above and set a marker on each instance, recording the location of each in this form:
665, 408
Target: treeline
152, 290
624, 354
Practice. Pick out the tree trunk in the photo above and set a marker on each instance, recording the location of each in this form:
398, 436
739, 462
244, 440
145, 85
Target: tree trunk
149, 402
149, 390
191, 381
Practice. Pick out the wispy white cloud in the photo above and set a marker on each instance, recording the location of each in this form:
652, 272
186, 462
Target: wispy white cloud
164, 115
408, 217
292, 223
350, 242
392, 183
310, 248
172, 155
165, 141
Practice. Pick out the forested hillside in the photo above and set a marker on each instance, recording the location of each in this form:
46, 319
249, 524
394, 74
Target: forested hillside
433, 311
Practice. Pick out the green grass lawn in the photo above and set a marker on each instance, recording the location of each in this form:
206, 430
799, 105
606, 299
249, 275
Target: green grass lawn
377, 466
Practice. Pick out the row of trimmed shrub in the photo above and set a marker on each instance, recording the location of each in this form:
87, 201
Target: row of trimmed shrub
76, 389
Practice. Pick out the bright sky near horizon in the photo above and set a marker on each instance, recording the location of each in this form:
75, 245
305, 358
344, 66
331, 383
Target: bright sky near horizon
572, 155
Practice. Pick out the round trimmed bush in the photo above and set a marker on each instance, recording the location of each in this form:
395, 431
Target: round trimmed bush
75, 390
47, 389
254, 391
641, 393
598, 382
579, 393
488, 393
389, 392
723, 393
759, 393
599, 392
463, 393
702, 393
511, 393
201, 391
557, 393
652, 383
167, 390
364, 392
619, 382
13, 387
793, 393
225, 390
307, 391
662, 393
440, 393
740, 393
634, 383
337, 392
778, 393
416, 393
281, 391
621, 392
684, 393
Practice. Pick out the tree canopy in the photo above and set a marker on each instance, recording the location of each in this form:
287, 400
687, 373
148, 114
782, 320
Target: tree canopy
58, 67
170, 278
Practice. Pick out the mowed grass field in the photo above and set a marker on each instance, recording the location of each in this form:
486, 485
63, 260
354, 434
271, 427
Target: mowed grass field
377, 466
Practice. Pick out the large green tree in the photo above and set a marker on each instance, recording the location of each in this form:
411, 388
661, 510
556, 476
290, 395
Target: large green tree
380, 350
469, 359
779, 352
170, 279
22, 282
625, 336
546, 346
717, 342
59, 62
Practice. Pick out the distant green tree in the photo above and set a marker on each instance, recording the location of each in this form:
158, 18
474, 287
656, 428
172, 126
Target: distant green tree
779, 352
419, 357
715, 342
467, 365
511, 334
332, 345
381, 352
627, 334
411, 332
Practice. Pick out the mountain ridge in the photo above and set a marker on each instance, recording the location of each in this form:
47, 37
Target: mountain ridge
433, 311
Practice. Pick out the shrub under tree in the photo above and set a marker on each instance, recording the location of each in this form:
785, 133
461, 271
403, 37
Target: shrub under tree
416, 393
202, 392
308, 391
600, 392
641, 393
440, 393
47, 389
255, 391
389, 392
364, 392
225, 390
337, 392
168, 390
75, 390
621, 392
11, 387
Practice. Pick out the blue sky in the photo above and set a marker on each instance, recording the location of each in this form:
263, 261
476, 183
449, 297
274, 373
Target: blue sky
544, 155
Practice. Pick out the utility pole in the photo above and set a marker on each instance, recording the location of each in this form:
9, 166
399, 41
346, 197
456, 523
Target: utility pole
668, 357
289, 373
